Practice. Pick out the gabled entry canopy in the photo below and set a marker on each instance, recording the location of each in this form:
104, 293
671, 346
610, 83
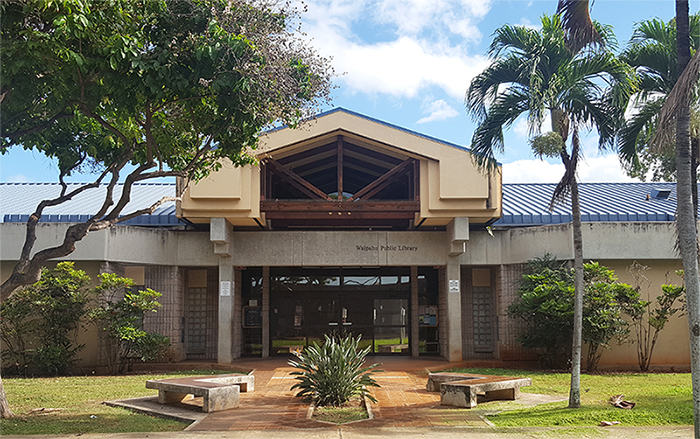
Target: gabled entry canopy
343, 170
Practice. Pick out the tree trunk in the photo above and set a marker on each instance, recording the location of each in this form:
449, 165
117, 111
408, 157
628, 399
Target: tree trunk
5, 411
575, 391
687, 217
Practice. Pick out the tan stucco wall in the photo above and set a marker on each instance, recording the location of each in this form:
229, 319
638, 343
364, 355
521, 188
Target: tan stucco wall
672, 349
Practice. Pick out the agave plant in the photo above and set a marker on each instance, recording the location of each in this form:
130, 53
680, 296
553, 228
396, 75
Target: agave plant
332, 374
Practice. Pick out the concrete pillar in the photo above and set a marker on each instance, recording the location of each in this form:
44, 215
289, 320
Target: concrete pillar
221, 234
458, 235
454, 309
414, 312
266, 312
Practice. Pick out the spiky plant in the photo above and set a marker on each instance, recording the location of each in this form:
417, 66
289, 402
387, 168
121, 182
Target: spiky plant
332, 374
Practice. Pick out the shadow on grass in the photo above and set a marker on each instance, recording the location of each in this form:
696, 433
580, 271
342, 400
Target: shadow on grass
121, 421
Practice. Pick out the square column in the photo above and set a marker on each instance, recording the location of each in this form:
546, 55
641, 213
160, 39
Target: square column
266, 312
415, 331
453, 303
221, 234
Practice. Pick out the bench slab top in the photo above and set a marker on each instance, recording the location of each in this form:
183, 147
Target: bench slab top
204, 382
473, 379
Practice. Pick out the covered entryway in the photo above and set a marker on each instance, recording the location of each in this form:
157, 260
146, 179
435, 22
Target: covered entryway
306, 304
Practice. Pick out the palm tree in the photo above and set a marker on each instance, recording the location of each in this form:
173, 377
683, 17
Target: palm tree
669, 80
687, 211
534, 73
652, 53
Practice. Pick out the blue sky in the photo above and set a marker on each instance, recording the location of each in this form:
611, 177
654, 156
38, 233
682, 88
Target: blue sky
409, 62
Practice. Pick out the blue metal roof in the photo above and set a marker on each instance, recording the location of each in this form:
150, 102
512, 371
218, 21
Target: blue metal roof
526, 204
19, 200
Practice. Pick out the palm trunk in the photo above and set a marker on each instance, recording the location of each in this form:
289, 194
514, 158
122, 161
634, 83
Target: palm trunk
686, 221
575, 391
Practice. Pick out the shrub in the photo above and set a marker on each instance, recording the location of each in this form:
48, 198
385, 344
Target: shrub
332, 374
39, 323
122, 320
546, 305
650, 318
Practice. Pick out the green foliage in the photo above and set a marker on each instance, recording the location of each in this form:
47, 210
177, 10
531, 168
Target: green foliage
650, 318
549, 144
533, 73
39, 323
652, 53
122, 320
175, 84
331, 374
546, 306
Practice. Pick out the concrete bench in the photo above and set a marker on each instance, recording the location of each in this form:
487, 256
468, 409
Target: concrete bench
219, 392
462, 389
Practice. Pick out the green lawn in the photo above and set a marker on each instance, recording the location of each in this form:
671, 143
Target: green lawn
662, 399
80, 400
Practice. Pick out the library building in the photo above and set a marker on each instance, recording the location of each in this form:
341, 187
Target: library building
350, 225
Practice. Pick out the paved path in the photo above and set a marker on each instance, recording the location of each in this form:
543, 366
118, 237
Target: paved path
402, 401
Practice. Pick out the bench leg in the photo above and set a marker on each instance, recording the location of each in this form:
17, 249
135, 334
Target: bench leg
221, 399
458, 396
165, 397
511, 394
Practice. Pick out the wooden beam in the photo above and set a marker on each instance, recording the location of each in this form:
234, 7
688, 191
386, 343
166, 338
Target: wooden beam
339, 206
334, 215
380, 183
304, 186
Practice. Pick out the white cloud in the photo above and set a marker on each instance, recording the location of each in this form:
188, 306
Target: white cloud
19, 178
410, 48
439, 110
598, 169
605, 168
532, 171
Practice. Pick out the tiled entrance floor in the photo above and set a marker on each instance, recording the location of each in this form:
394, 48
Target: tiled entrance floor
402, 400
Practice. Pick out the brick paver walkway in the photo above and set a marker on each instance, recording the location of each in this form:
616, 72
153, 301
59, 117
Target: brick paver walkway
402, 400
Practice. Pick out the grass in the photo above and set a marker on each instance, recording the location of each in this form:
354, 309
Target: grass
662, 399
79, 399
354, 411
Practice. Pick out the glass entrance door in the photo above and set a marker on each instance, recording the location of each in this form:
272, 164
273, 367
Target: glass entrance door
307, 304
391, 326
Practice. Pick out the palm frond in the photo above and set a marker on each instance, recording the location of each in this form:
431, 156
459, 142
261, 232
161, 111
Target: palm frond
579, 28
680, 97
629, 138
484, 87
513, 38
488, 136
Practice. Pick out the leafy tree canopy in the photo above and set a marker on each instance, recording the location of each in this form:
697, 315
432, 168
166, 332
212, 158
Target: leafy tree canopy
158, 88
176, 83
